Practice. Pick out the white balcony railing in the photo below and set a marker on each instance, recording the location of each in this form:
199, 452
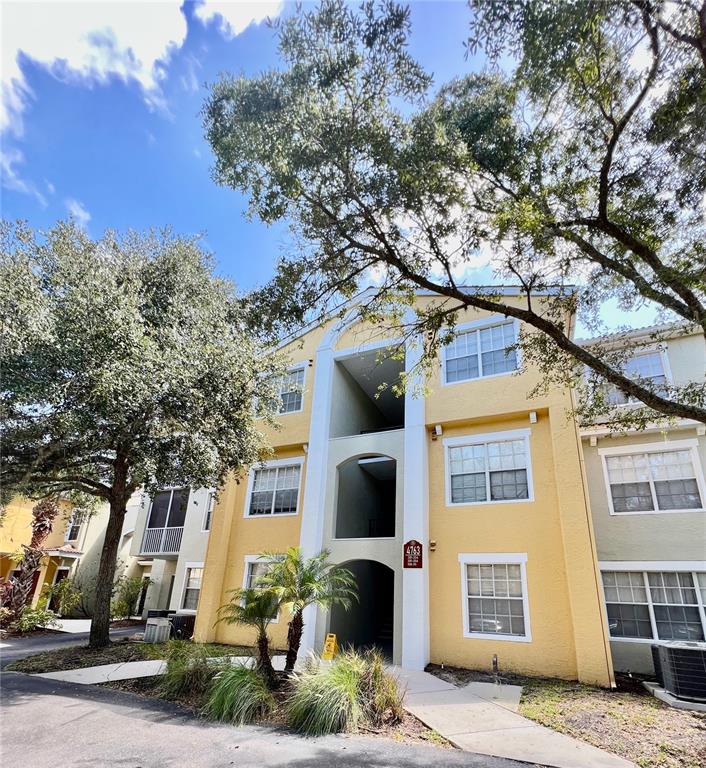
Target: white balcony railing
162, 540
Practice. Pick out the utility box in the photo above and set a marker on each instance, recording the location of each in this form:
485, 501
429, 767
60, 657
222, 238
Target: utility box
157, 630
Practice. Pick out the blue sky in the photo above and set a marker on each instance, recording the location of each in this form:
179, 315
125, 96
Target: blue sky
101, 117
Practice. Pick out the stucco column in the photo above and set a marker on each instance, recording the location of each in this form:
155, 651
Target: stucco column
415, 581
216, 557
312, 528
593, 659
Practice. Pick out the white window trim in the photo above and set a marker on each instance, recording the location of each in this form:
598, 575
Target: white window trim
82, 521
657, 447
666, 369
476, 325
300, 366
211, 495
182, 594
693, 567
246, 567
272, 464
488, 437
502, 558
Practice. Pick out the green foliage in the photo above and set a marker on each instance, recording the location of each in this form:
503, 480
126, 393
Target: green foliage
189, 670
353, 691
255, 608
65, 594
33, 619
126, 363
239, 695
127, 593
298, 581
583, 166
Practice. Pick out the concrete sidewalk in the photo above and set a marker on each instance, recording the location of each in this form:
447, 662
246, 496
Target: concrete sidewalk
129, 670
479, 718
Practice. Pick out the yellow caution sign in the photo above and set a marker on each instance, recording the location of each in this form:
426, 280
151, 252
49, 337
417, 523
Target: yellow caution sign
330, 647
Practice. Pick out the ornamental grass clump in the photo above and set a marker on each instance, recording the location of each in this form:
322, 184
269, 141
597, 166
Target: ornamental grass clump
353, 692
189, 670
239, 695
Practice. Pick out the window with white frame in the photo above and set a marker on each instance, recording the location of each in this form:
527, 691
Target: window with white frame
192, 588
655, 605
210, 506
481, 471
291, 390
274, 490
73, 529
495, 596
254, 569
481, 352
646, 365
653, 479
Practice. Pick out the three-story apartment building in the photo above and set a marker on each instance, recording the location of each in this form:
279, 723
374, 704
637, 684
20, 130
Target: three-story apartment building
487, 481
648, 500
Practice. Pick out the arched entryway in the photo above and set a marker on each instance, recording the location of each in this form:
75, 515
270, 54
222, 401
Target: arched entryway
369, 622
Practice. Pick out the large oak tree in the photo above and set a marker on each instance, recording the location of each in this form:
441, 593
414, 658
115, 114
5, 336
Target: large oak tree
579, 165
125, 363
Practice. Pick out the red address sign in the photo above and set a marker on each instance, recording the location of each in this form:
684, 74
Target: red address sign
412, 554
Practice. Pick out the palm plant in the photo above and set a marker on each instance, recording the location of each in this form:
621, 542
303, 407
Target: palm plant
298, 581
254, 608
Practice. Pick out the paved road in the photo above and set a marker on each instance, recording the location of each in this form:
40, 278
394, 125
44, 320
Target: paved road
88, 726
15, 648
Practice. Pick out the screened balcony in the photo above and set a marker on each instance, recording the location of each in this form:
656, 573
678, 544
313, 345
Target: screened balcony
165, 522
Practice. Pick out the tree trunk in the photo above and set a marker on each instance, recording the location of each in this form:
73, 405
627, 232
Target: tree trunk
264, 660
100, 625
294, 639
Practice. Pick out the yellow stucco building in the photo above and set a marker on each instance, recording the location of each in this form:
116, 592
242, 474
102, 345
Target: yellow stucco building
62, 546
487, 480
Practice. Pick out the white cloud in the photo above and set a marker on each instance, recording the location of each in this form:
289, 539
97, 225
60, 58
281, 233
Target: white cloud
11, 178
235, 16
93, 41
78, 211
87, 42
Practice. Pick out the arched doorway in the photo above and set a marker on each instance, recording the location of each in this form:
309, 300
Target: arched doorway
369, 622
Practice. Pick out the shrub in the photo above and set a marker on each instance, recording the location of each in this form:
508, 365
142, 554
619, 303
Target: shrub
126, 594
65, 594
354, 690
239, 695
189, 670
33, 619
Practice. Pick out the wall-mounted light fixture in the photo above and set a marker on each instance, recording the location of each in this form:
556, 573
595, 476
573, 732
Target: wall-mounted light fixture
432, 545
437, 432
533, 417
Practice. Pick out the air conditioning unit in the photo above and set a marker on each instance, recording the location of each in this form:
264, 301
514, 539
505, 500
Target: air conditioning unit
157, 630
183, 624
682, 666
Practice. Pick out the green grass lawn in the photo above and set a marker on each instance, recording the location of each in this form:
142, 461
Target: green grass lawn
78, 657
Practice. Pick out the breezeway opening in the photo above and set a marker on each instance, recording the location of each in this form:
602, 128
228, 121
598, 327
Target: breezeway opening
369, 623
365, 502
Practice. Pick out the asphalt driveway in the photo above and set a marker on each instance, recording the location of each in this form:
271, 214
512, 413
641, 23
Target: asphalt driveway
46, 723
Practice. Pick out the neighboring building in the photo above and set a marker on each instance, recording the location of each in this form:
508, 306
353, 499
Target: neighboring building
489, 482
169, 546
73, 534
648, 500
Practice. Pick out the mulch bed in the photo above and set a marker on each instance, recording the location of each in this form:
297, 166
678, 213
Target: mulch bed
629, 721
77, 657
408, 730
